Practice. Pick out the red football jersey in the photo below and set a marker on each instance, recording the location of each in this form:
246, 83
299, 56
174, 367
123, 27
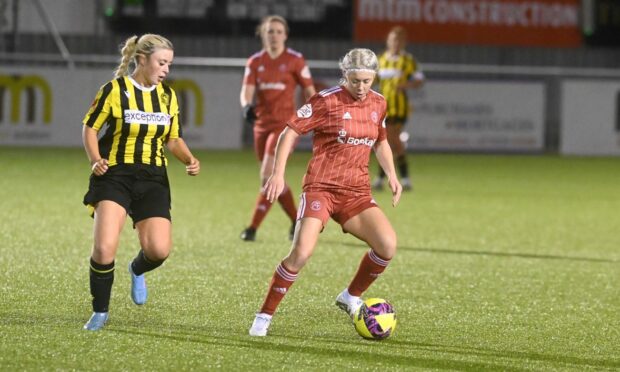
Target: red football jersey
275, 81
345, 130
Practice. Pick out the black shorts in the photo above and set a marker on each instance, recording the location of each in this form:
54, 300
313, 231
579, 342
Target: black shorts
143, 190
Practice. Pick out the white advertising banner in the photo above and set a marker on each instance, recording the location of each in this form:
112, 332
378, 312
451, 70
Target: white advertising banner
590, 118
45, 106
478, 116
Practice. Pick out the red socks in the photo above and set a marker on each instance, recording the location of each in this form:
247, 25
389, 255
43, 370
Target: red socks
263, 206
287, 202
260, 211
280, 283
370, 268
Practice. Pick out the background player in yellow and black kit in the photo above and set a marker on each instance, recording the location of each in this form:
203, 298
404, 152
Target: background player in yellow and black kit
140, 114
398, 71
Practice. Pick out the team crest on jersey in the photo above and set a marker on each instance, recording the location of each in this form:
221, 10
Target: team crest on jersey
305, 111
342, 136
374, 117
282, 67
165, 99
261, 68
315, 205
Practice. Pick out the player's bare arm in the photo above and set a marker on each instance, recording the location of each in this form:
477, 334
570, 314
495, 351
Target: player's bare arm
386, 161
246, 98
179, 149
275, 184
98, 165
309, 91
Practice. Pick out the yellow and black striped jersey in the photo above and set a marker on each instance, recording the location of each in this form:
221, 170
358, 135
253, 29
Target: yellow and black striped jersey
139, 121
394, 70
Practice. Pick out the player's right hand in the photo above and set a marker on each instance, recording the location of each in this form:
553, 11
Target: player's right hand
248, 114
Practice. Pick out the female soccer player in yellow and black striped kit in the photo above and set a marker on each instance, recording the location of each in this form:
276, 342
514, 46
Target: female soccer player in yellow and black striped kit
138, 114
398, 71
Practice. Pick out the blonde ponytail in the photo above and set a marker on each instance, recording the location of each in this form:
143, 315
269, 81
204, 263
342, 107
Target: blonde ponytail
145, 45
128, 53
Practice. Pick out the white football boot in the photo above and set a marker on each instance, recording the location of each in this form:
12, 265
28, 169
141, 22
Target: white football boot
349, 304
260, 326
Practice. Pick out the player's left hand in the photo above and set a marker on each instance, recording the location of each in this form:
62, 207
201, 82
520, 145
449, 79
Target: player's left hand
193, 168
397, 189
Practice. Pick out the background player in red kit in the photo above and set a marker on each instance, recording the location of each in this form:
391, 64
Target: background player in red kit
271, 77
348, 121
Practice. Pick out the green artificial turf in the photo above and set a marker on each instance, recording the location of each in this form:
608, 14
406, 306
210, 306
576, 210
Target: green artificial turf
505, 263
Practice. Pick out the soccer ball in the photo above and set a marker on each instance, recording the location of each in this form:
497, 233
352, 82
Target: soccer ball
376, 319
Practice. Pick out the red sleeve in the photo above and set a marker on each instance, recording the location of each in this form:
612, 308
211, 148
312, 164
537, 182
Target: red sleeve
249, 76
302, 73
309, 116
382, 131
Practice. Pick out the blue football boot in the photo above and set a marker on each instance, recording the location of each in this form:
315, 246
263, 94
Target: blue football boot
96, 321
138, 288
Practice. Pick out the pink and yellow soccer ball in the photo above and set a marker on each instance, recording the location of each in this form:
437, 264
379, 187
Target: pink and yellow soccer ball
375, 319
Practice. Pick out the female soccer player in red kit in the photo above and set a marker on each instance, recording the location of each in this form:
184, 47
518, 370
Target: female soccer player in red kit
348, 121
271, 77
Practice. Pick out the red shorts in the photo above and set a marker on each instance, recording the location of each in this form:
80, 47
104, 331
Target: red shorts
340, 207
265, 140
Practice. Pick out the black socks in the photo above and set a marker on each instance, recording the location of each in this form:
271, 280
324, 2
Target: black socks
101, 279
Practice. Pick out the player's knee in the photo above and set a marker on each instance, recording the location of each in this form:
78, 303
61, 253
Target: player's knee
105, 250
157, 251
297, 260
159, 255
386, 246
